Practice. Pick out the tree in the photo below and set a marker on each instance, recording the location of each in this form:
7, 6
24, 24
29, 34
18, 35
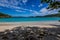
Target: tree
3, 15
52, 4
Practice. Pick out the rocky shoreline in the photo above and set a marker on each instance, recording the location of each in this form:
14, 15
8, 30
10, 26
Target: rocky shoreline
30, 33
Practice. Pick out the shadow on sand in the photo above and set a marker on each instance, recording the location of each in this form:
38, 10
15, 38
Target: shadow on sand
31, 33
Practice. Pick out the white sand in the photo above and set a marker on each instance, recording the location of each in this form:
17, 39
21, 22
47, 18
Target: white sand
10, 25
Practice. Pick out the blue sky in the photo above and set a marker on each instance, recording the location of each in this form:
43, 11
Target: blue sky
25, 8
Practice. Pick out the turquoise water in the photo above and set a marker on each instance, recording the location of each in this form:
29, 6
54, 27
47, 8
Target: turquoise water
29, 19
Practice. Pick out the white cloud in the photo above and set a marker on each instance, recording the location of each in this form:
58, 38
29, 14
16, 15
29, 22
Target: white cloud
36, 12
57, 0
40, 5
15, 7
11, 2
2, 5
46, 11
43, 10
9, 6
25, 9
30, 10
3, 1
24, 1
53, 11
20, 11
33, 5
14, 2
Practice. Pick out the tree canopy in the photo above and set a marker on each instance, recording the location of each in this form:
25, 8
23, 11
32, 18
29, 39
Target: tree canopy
52, 4
2, 15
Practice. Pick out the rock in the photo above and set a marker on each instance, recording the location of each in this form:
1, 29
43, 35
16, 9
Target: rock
59, 20
27, 33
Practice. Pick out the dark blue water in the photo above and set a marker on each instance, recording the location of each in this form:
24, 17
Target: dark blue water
29, 19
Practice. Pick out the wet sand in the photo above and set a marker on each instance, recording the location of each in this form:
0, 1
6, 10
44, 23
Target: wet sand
10, 25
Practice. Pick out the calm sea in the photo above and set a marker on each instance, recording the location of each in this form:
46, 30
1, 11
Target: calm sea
29, 19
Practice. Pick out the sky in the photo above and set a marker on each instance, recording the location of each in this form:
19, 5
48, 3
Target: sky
25, 8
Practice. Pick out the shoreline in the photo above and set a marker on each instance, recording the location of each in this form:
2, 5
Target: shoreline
40, 22
10, 25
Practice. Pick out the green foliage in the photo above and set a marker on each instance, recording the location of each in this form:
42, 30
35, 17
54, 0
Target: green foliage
53, 15
53, 4
2, 15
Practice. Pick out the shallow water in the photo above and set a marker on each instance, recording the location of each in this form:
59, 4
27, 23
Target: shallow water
29, 19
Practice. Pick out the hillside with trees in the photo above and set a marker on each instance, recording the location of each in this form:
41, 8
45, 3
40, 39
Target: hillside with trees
2, 15
53, 15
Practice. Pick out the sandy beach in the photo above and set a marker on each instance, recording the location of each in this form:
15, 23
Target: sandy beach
10, 25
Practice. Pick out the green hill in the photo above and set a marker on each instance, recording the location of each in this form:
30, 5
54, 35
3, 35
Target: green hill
53, 15
2, 15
